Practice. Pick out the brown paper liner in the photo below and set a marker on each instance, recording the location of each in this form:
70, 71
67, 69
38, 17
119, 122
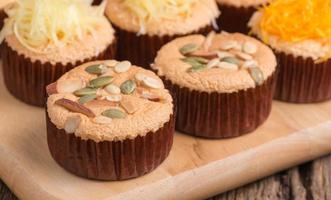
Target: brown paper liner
301, 80
141, 50
97, 2
234, 19
110, 160
2, 18
222, 115
26, 80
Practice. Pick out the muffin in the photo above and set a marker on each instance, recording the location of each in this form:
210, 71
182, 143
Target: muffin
223, 83
39, 46
300, 34
236, 14
109, 120
144, 26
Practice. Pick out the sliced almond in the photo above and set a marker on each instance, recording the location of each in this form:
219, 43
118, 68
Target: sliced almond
224, 54
69, 85
74, 107
226, 65
72, 123
101, 103
51, 89
102, 120
249, 47
129, 106
111, 63
152, 83
227, 45
113, 89
204, 54
213, 63
208, 41
249, 64
123, 66
114, 98
140, 76
244, 56
148, 95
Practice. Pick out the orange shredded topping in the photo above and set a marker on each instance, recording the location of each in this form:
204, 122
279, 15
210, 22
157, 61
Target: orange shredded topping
298, 20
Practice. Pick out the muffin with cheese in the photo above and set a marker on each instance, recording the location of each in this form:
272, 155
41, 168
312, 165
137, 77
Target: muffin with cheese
144, 26
236, 14
109, 120
300, 33
39, 43
223, 83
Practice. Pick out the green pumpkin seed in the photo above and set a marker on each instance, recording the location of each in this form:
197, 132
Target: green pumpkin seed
85, 91
114, 114
188, 48
199, 60
96, 69
87, 98
128, 87
100, 82
256, 75
196, 68
231, 60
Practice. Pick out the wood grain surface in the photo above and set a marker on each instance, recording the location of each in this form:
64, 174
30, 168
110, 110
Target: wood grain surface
305, 182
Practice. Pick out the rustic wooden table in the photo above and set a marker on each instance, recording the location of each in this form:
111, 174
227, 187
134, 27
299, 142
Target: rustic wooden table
308, 181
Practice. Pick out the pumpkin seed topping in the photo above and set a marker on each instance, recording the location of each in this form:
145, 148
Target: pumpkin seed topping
188, 48
128, 87
114, 114
197, 68
85, 91
96, 69
122, 66
231, 60
100, 82
87, 98
256, 75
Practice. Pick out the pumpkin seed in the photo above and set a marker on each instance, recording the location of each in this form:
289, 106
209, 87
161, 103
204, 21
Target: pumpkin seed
256, 75
87, 98
113, 89
85, 91
114, 114
231, 60
188, 48
128, 87
100, 82
122, 67
96, 69
197, 68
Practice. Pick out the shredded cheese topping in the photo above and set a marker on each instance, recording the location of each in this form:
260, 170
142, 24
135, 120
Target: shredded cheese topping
298, 20
147, 10
42, 25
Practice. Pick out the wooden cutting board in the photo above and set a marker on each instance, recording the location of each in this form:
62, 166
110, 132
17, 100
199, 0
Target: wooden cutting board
196, 168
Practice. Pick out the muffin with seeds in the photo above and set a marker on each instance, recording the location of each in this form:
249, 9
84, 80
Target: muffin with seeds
109, 120
144, 26
35, 55
223, 83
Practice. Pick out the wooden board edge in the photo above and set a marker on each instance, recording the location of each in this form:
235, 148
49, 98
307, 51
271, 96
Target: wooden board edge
217, 177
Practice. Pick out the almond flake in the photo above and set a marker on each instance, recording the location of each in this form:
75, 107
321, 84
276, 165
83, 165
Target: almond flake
123, 66
111, 63
69, 85
213, 63
249, 47
129, 106
230, 45
114, 98
224, 54
250, 63
72, 123
244, 56
226, 65
74, 107
152, 83
140, 76
51, 89
208, 41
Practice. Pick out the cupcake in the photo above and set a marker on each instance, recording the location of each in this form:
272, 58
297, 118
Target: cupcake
300, 34
39, 43
144, 26
236, 14
223, 83
109, 120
